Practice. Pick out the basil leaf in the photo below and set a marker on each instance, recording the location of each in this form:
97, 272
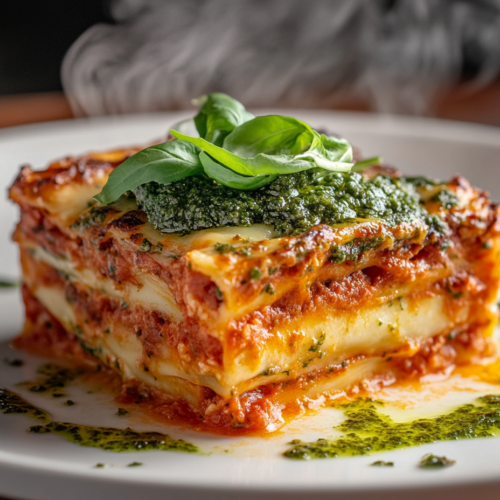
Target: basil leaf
368, 162
186, 127
162, 163
231, 179
219, 115
271, 134
337, 149
262, 138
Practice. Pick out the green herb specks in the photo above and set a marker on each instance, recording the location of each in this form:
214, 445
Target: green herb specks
431, 461
255, 273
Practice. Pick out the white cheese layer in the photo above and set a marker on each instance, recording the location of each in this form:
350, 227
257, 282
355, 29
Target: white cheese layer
320, 342
153, 294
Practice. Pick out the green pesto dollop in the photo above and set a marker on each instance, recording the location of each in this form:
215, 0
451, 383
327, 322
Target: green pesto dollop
112, 439
366, 430
291, 204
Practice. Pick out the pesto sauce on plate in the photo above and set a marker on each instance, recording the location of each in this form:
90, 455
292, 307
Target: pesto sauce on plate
51, 380
105, 438
113, 439
292, 204
367, 431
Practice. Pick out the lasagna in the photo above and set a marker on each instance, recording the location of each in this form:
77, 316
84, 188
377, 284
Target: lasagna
241, 323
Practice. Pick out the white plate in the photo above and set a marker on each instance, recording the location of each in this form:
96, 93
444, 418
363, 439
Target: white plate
40, 467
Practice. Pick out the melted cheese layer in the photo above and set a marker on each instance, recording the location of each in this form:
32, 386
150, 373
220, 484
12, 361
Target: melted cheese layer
321, 343
153, 294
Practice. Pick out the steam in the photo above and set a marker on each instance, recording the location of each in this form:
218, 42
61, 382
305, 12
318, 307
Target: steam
267, 53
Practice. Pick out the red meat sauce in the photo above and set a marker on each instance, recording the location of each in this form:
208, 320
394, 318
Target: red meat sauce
99, 311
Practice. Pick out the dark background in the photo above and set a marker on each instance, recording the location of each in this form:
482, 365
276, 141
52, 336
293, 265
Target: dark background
35, 35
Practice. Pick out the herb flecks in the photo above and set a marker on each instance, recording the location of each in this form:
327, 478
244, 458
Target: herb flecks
51, 380
15, 363
4, 283
431, 461
95, 216
255, 273
147, 247
446, 199
318, 343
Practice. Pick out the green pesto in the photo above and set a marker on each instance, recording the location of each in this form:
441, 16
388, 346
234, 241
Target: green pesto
431, 461
9, 283
368, 431
51, 380
105, 438
94, 216
446, 199
291, 204
146, 246
11, 403
112, 439
353, 250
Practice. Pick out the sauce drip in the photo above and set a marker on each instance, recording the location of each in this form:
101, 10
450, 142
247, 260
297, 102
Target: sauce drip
368, 431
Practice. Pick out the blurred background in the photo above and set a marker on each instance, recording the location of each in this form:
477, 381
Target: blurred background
60, 59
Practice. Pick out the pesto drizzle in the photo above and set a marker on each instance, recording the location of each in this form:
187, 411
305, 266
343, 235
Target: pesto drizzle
11, 404
105, 438
368, 431
51, 380
112, 439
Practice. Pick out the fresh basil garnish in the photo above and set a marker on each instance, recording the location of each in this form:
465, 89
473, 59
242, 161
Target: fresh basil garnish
234, 149
219, 115
227, 177
272, 135
276, 145
163, 163
359, 166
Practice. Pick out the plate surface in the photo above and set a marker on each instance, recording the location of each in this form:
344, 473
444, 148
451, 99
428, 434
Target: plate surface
40, 467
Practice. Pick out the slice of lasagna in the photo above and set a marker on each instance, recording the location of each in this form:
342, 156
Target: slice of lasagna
243, 304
